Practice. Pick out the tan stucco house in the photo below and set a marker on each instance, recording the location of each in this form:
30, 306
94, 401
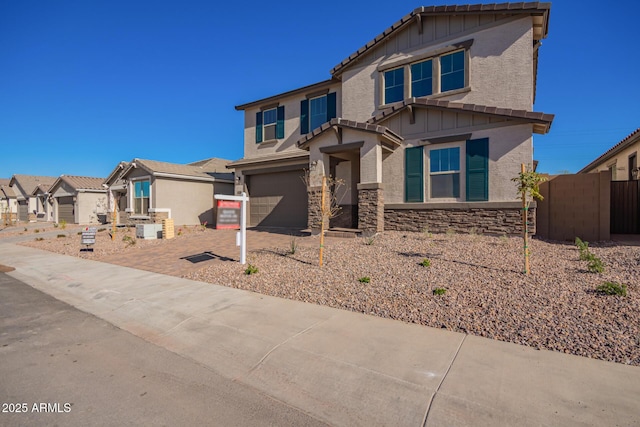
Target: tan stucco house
24, 187
78, 199
8, 203
621, 159
426, 124
147, 191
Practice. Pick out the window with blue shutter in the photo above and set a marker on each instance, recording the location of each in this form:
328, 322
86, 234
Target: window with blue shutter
258, 127
478, 170
315, 112
444, 170
270, 124
414, 174
280, 122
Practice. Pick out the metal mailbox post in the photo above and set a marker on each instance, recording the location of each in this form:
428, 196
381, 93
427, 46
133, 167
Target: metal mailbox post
243, 221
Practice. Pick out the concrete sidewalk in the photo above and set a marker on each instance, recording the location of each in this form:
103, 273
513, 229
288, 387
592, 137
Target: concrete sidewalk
341, 367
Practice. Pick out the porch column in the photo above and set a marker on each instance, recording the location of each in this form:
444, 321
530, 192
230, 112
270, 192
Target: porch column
370, 189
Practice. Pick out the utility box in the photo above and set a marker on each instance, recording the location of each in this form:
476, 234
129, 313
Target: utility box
149, 231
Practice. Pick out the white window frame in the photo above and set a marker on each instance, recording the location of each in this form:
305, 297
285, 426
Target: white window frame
272, 125
460, 172
132, 196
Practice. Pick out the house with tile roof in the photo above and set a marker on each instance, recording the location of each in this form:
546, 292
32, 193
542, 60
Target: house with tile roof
8, 203
426, 124
621, 159
148, 191
23, 187
78, 199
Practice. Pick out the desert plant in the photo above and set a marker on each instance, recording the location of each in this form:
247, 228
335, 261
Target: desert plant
25, 229
583, 247
179, 232
595, 265
63, 224
251, 269
426, 262
293, 245
365, 279
427, 233
203, 226
37, 230
613, 288
61, 235
130, 241
101, 229
370, 240
450, 232
39, 239
439, 291
55, 225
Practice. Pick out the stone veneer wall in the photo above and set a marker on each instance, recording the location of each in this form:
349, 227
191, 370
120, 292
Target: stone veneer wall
314, 216
371, 214
479, 220
153, 218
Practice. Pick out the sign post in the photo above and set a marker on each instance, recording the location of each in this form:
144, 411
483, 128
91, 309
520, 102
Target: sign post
243, 199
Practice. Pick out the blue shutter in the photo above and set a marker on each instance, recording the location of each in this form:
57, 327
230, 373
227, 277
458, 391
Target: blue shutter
477, 170
280, 122
304, 116
414, 174
331, 106
258, 127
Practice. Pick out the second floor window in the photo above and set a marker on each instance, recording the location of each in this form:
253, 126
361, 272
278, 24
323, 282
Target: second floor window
314, 112
270, 124
452, 71
394, 85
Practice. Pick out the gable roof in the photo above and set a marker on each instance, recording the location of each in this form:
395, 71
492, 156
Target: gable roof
80, 183
27, 183
541, 121
178, 171
538, 9
6, 189
275, 98
391, 138
213, 164
116, 173
629, 140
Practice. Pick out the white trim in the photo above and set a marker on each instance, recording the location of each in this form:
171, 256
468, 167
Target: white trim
131, 193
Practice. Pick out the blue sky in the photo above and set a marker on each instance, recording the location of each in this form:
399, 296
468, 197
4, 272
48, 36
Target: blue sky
85, 85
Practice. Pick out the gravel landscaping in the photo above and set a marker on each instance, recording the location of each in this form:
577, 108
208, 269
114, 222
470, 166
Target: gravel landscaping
556, 307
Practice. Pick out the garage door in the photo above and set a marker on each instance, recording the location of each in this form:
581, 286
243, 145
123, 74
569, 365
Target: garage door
65, 210
23, 210
278, 200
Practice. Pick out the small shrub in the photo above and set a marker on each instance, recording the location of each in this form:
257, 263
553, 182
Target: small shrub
63, 224
61, 235
37, 230
25, 229
583, 247
179, 231
426, 232
79, 233
251, 269
504, 239
203, 226
613, 288
370, 240
55, 225
293, 245
365, 279
101, 229
439, 291
450, 232
426, 262
595, 265
130, 241
39, 239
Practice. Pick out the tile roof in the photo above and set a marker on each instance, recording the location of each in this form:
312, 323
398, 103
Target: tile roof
83, 182
542, 122
343, 123
304, 89
28, 183
286, 156
7, 190
214, 164
206, 172
537, 8
630, 139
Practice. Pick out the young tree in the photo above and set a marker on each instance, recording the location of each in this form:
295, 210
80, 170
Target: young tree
528, 184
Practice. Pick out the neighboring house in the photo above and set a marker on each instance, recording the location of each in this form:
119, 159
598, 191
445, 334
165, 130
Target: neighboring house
43, 203
24, 186
117, 194
151, 191
8, 203
621, 159
427, 124
78, 199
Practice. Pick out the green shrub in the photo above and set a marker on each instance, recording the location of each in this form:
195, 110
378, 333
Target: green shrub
595, 264
293, 245
37, 230
370, 240
365, 279
63, 224
583, 247
426, 262
613, 288
130, 241
55, 225
439, 291
251, 269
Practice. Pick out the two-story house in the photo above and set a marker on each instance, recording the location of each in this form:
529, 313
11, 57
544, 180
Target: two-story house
427, 123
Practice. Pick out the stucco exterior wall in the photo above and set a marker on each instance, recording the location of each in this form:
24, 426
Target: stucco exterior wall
191, 202
88, 206
500, 69
509, 147
621, 162
291, 125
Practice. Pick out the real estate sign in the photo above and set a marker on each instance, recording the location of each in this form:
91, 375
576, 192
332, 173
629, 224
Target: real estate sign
228, 214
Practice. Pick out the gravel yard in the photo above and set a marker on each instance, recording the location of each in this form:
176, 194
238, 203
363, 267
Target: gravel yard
556, 307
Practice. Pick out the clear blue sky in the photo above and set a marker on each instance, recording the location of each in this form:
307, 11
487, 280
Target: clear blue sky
86, 84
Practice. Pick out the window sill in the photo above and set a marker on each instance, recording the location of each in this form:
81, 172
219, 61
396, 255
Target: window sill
140, 217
